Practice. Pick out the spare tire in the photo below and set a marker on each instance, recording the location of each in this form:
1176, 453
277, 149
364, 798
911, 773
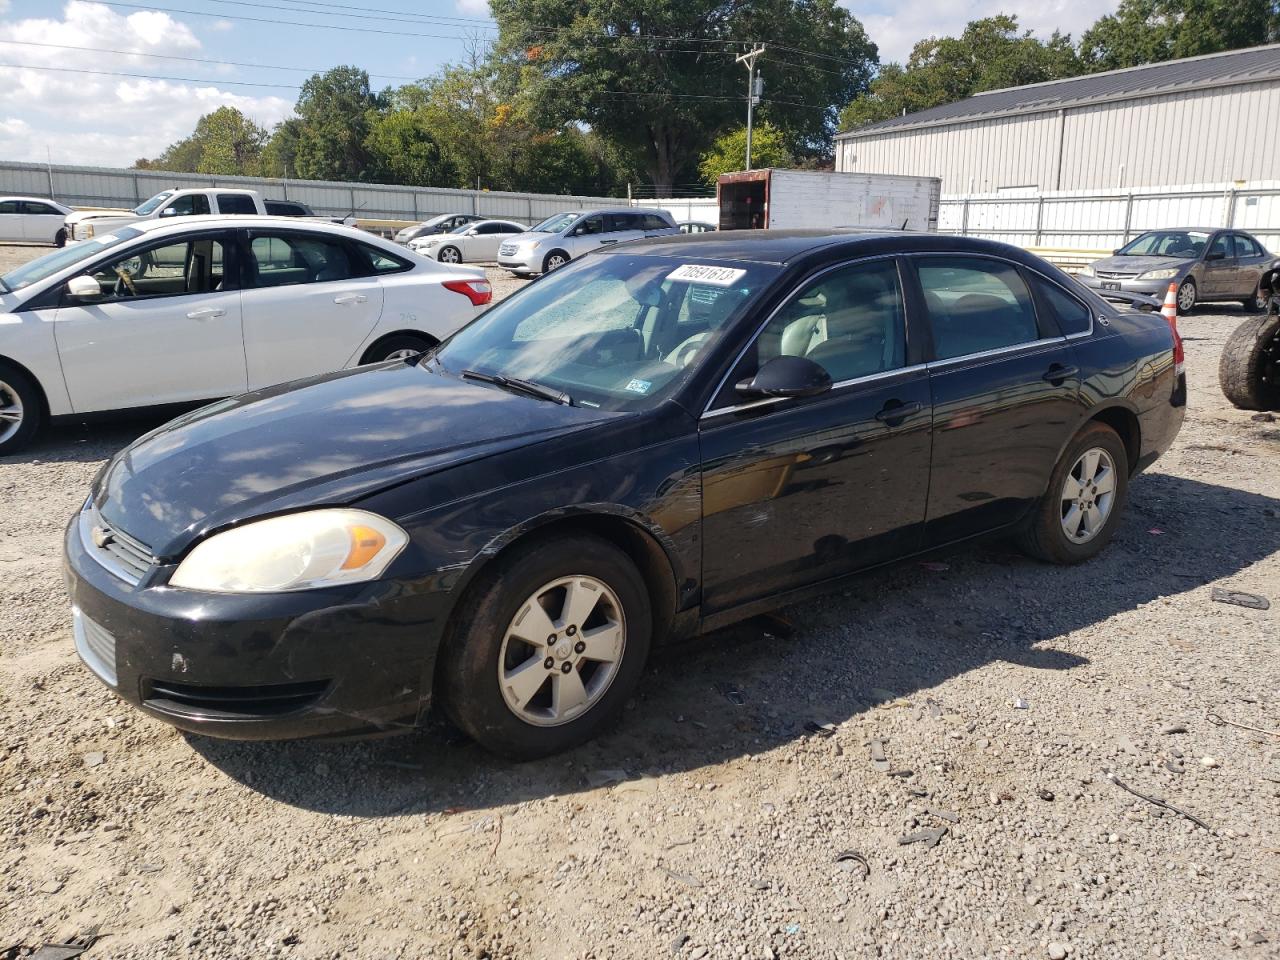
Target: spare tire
1249, 370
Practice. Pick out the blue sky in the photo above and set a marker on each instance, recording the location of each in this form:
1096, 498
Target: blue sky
112, 120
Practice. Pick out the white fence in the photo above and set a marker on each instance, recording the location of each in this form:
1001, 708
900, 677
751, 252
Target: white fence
1104, 220
112, 187
702, 209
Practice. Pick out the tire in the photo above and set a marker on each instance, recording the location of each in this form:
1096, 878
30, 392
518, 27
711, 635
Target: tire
1044, 535
1249, 371
449, 254
1258, 302
60, 238
398, 346
19, 398
476, 647
554, 261
1187, 294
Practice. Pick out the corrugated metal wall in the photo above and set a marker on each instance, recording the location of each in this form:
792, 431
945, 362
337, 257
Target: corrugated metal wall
107, 187
1209, 136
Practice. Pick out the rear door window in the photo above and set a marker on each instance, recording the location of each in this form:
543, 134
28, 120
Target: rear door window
976, 305
1245, 247
31, 208
285, 259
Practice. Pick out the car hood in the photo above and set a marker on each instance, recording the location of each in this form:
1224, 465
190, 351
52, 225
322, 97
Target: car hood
79, 216
527, 236
1137, 265
324, 441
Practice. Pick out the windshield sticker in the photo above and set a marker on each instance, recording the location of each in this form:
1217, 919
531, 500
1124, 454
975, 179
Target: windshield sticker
639, 386
698, 273
106, 238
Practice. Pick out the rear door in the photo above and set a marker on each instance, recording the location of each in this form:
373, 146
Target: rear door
11, 220
1005, 393
484, 245
1251, 263
1219, 268
41, 221
308, 303
166, 328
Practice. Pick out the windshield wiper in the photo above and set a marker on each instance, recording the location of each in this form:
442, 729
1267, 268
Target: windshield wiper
527, 387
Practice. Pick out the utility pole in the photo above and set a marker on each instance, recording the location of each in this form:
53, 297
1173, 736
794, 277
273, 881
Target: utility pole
755, 86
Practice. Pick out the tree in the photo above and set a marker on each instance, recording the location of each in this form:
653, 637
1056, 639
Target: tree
335, 109
225, 142
403, 149
1149, 31
990, 54
280, 155
768, 149
658, 79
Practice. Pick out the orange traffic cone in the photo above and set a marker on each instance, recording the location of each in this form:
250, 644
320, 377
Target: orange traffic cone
1170, 312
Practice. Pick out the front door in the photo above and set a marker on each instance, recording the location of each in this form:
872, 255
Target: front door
1219, 268
586, 236
11, 220
165, 329
1005, 394
307, 305
801, 490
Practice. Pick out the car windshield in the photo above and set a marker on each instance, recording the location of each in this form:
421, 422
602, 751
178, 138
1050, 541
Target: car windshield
147, 206
555, 224
462, 229
46, 266
615, 332
1166, 243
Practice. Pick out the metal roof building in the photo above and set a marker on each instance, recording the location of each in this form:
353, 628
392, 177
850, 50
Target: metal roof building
1209, 119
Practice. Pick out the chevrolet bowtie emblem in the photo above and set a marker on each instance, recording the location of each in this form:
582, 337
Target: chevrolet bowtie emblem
101, 537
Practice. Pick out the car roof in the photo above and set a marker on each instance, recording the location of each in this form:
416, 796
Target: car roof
1188, 230
237, 220
784, 246
18, 196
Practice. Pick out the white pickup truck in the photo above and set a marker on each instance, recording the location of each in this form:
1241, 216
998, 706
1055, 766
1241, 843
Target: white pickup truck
84, 224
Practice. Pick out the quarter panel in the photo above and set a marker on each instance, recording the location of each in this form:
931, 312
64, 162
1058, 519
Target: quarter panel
27, 339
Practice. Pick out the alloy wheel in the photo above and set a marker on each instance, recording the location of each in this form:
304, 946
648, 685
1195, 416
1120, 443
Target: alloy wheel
404, 354
1186, 296
1088, 494
450, 255
555, 262
561, 651
11, 411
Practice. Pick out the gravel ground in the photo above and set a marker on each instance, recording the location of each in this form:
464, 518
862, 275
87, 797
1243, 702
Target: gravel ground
1003, 691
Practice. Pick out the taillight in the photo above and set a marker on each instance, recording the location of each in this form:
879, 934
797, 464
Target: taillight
479, 292
1170, 312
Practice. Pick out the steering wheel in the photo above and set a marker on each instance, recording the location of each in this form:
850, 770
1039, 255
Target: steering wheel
683, 355
123, 282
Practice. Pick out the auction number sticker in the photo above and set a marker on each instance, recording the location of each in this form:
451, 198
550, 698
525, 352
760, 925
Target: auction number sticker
698, 273
639, 386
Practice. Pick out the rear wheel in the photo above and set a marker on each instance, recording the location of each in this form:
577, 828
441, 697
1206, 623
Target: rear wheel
1187, 295
1249, 371
1078, 515
1258, 302
20, 409
449, 255
545, 652
60, 238
401, 346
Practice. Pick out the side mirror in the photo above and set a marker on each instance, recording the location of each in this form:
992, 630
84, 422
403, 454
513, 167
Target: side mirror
786, 377
1215, 255
83, 288
169, 212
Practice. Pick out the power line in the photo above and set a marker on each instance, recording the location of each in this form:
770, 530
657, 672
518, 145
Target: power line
464, 21
170, 56
398, 16
146, 76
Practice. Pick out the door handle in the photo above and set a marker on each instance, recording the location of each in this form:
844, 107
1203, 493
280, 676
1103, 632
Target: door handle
1059, 373
206, 313
607, 242
894, 412
350, 298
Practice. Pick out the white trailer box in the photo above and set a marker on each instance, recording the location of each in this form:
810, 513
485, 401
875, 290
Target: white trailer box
788, 199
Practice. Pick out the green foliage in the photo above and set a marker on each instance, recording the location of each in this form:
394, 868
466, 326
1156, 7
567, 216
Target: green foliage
404, 149
989, 54
729, 152
614, 67
334, 109
1149, 31
225, 142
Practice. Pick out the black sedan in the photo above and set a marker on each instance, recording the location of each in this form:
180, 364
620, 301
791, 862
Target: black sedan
650, 443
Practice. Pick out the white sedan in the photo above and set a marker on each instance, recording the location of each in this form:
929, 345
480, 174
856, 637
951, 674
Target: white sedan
177, 312
33, 220
469, 243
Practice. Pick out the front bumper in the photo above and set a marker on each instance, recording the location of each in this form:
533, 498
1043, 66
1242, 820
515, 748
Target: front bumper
522, 261
336, 662
1148, 288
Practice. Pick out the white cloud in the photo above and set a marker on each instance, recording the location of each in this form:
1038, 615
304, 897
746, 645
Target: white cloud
106, 120
222, 26
473, 8
898, 28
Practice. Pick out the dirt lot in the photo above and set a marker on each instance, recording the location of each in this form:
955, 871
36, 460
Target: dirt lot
1008, 689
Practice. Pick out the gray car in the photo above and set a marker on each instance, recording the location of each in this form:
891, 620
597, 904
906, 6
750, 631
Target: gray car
1206, 263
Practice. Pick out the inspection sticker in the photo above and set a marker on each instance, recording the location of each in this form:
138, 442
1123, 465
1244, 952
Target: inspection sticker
639, 386
698, 273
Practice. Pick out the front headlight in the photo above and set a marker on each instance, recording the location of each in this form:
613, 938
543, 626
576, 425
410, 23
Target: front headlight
88, 230
298, 551
1159, 275
1086, 270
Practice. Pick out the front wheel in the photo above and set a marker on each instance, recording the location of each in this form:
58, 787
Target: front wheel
555, 260
449, 255
1078, 515
545, 652
1187, 296
20, 409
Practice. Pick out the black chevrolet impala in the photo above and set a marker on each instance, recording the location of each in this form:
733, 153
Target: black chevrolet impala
645, 445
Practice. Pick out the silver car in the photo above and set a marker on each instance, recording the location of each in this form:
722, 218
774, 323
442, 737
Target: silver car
1206, 263
564, 236
441, 224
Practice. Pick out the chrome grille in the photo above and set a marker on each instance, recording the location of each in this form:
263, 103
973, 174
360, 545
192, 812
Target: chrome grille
128, 558
1114, 276
96, 646
507, 250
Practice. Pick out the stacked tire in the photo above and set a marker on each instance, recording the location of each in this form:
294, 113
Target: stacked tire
1249, 370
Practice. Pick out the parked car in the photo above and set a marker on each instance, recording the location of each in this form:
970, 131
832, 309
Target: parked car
652, 442
288, 208
562, 237
1206, 264
86, 224
33, 220
177, 312
1249, 368
695, 226
469, 243
441, 224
